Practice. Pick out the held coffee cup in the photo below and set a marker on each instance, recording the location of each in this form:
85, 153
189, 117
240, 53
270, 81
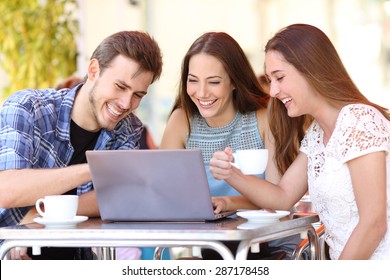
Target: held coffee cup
251, 162
58, 207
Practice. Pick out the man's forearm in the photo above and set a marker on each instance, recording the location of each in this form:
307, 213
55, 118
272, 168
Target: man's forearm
22, 187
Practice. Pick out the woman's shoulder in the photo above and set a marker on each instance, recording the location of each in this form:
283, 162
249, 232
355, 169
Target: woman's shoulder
178, 119
175, 131
359, 109
355, 114
360, 129
262, 120
178, 115
262, 113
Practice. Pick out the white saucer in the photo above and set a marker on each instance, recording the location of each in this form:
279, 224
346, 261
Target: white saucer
51, 223
262, 216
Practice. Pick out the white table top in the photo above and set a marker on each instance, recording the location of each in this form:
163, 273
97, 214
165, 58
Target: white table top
97, 233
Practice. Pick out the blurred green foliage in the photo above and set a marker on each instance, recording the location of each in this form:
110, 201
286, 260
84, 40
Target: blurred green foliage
37, 42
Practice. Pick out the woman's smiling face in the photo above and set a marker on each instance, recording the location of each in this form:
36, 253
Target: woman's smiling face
210, 88
288, 85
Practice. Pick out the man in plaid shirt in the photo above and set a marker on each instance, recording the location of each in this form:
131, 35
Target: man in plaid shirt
44, 133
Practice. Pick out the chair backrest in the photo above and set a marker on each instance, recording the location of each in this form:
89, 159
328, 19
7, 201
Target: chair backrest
300, 251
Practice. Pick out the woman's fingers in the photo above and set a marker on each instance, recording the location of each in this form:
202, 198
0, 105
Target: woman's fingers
220, 166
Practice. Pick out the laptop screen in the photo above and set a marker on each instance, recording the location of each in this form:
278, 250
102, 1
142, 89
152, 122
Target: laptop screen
151, 185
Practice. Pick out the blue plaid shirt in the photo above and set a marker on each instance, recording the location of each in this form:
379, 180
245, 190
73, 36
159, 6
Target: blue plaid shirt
35, 133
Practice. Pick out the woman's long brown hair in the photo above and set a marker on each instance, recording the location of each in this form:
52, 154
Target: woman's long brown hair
311, 52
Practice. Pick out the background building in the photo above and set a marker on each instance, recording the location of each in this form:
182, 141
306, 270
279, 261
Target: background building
360, 30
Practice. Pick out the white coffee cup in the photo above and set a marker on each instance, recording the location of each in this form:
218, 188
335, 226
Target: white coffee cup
251, 162
58, 207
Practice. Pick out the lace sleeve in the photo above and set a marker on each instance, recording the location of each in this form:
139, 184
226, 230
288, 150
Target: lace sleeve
360, 129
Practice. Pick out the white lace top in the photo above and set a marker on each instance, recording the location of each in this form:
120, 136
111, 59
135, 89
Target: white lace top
360, 129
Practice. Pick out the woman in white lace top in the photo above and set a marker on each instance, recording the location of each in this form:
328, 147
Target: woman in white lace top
343, 160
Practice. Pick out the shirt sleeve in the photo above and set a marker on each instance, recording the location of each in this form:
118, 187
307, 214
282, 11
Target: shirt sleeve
360, 130
16, 135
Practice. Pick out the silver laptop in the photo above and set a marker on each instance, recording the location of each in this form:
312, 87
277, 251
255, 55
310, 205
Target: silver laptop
151, 185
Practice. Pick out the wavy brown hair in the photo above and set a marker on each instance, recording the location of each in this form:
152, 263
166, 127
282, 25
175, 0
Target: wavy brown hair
136, 45
248, 95
311, 52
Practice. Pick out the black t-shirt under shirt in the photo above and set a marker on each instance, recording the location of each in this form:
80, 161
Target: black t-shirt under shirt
81, 140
